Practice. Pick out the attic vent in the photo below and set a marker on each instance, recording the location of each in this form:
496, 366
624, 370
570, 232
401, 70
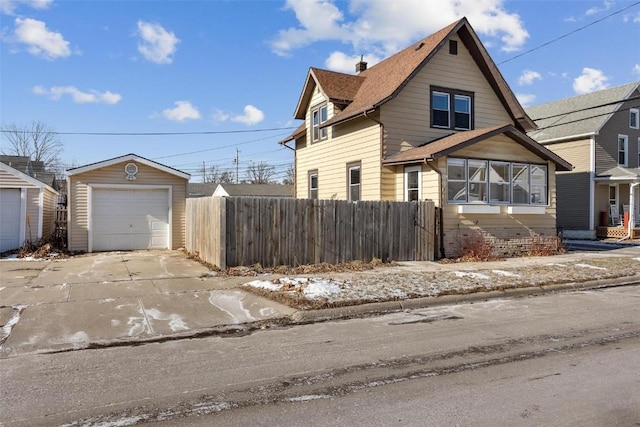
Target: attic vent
453, 47
419, 46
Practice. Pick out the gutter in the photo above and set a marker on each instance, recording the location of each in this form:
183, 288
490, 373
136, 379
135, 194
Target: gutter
565, 138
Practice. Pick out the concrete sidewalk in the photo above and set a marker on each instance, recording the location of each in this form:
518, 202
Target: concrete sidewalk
116, 298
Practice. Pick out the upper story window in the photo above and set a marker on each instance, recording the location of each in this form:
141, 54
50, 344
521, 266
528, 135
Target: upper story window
484, 181
623, 150
412, 187
318, 116
313, 184
634, 118
451, 109
353, 181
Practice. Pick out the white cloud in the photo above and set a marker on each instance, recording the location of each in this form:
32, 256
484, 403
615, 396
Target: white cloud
251, 116
157, 44
340, 62
528, 77
183, 111
8, 7
78, 96
594, 10
590, 80
633, 18
42, 42
636, 69
375, 26
525, 99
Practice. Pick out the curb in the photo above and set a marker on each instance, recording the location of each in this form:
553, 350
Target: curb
370, 309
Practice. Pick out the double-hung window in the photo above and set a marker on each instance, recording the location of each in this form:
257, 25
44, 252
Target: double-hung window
634, 118
353, 181
318, 116
496, 182
623, 150
412, 185
313, 184
451, 109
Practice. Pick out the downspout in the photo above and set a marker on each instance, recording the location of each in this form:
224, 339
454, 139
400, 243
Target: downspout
632, 205
381, 143
440, 201
295, 169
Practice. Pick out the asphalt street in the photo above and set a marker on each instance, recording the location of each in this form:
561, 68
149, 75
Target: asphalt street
563, 359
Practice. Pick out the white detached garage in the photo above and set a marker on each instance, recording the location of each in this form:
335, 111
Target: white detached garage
27, 209
126, 203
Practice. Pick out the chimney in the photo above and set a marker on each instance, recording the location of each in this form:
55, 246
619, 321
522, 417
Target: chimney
361, 66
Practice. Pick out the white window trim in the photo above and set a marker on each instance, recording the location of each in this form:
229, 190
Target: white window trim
489, 202
359, 184
626, 150
323, 133
407, 171
637, 113
312, 174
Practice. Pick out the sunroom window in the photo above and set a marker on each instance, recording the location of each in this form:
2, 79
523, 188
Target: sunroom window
496, 182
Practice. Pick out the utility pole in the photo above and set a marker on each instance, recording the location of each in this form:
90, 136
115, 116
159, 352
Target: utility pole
237, 162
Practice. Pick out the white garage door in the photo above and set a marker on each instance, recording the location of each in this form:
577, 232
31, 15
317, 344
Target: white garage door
9, 219
129, 219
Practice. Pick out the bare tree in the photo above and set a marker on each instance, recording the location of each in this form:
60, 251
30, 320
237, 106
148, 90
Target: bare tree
290, 175
211, 174
227, 177
36, 141
259, 173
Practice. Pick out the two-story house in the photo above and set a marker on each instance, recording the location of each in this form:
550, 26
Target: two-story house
434, 121
599, 133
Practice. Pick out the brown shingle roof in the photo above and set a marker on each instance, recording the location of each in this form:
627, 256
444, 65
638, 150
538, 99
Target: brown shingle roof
456, 141
386, 79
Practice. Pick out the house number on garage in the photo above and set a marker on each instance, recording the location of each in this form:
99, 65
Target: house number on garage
131, 169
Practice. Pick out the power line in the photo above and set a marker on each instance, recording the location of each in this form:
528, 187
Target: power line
568, 34
633, 98
224, 132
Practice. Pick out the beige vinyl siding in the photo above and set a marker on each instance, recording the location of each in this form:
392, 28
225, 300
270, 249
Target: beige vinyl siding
8, 180
33, 215
406, 118
388, 184
573, 187
607, 139
356, 140
78, 185
499, 147
50, 204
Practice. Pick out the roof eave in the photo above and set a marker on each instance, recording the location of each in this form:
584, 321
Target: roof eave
127, 157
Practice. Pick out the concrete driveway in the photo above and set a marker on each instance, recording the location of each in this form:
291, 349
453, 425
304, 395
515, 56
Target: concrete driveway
118, 297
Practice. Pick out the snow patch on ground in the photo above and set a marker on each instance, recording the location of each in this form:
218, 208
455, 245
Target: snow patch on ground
232, 305
321, 289
7, 327
175, 321
505, 273
472, 275
593, 267
308, 397
265, 284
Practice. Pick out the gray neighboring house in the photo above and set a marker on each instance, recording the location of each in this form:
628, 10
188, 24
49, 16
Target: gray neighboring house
254, 190
599, 134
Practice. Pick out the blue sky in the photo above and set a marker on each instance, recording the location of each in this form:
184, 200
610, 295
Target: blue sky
235, 69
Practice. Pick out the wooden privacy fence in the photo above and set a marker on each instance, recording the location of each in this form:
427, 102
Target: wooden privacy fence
232, 231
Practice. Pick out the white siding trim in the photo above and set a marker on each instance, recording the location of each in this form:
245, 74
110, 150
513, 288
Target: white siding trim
592, 183
23, 215
526, 210
91, 186
40, 212
478, 209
